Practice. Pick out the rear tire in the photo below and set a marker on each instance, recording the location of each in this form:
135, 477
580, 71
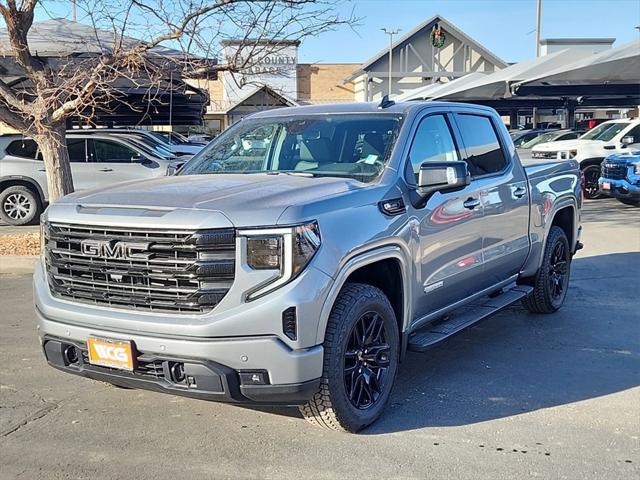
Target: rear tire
19, 205
361, 355
626, 201
551, 281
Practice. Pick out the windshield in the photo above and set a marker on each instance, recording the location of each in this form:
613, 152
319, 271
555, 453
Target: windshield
147, 147
545, 137
342, 145
605, 131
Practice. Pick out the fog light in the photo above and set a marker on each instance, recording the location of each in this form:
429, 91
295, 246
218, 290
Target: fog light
71, 354
255, 377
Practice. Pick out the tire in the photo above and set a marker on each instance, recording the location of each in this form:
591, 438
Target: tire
591, 174
19, 205
626, 201
347, 399
551, 281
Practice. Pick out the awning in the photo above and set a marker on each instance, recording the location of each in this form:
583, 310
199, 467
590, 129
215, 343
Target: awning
498, 84
430, 91
609, 72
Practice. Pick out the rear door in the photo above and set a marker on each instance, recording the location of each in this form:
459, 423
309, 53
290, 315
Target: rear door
502, 185
115, 162
449, 254
83, 173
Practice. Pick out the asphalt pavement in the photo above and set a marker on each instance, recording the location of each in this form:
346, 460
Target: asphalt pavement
518, 396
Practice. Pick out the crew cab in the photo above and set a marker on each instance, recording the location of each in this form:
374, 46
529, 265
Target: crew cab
97, 159
302, 271
620, 177
613, 136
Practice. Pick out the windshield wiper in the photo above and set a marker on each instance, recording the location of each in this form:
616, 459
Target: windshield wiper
295, 174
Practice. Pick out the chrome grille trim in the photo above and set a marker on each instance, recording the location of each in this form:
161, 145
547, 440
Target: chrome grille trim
187, 271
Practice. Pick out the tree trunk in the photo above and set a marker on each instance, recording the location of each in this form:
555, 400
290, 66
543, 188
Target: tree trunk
56, 161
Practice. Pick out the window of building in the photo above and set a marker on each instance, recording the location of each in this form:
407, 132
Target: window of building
432, 143
484, 153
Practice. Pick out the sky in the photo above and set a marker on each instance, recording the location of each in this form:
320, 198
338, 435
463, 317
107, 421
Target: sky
504, 27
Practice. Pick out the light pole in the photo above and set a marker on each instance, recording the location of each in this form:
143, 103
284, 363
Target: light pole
391, 33
538, 22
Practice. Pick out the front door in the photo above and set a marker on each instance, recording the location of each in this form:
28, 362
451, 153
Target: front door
449, 256
116, 162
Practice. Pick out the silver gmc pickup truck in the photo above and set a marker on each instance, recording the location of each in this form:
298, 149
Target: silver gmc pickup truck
297, 258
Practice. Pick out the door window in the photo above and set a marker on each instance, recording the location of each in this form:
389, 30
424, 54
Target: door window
77, 148
432, 143
106, 151
484, 153
24, 148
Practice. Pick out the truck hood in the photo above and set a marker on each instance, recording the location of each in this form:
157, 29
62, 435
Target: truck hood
246, 200
564, 145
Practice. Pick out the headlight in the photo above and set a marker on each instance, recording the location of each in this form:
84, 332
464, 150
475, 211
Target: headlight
285, 250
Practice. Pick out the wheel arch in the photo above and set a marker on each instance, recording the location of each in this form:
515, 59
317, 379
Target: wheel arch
370, 268
19, 180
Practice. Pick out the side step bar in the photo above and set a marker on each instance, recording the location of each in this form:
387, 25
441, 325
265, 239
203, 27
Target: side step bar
434, 334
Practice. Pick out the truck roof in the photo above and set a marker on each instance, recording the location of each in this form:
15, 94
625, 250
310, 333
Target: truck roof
359, 107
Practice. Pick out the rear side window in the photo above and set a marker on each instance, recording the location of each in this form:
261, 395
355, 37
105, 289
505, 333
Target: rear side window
77, 148
432, 143
484, 153
23, 148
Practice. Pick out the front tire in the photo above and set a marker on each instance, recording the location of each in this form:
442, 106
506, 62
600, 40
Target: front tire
361, 355
551, 281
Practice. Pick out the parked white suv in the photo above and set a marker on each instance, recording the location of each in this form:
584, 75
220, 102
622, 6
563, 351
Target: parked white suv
97, 160
613, 136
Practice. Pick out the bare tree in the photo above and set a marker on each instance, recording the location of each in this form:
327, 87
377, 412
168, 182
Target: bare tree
140, 41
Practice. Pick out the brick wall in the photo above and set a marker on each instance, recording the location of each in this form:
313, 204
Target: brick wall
323, 82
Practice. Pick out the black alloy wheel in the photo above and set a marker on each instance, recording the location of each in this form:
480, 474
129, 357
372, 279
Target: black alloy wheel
591, 188
366, 361
558, 271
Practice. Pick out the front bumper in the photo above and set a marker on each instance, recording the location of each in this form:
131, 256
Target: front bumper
201, 378
620, 189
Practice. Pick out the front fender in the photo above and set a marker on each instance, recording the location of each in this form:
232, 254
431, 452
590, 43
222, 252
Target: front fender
360, 259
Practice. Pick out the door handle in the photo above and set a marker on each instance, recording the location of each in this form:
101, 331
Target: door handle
106, 170
42, 169
471, 203
519, 192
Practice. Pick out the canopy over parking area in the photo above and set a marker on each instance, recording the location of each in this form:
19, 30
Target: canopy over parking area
567, 79
142, 100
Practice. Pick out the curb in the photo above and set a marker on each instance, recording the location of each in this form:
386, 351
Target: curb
17, 264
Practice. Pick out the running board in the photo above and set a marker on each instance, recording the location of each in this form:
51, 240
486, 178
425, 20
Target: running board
434, 334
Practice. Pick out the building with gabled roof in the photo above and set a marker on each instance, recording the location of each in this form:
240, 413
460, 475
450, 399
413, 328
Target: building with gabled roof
434, 51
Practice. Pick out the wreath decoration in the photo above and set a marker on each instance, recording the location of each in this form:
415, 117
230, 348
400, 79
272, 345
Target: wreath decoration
438, 37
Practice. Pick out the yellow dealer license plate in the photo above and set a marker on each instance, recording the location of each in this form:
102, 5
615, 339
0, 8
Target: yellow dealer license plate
110, 353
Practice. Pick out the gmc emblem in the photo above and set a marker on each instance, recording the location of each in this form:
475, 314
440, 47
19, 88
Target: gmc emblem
114, 249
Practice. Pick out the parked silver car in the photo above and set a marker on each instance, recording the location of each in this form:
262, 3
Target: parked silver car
97, 160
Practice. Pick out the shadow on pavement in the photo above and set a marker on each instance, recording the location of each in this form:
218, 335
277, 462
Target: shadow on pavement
517, 362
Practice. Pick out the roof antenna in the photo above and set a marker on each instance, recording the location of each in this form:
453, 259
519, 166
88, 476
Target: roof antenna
385, 102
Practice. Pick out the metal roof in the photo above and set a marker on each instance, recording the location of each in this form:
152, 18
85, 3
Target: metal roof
61, 37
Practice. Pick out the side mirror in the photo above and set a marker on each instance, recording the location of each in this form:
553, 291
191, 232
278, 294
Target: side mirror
625, 141
138, 158
442, 177
174, 167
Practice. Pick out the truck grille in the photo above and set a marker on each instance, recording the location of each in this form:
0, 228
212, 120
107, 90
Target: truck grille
614, 171
136, 269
